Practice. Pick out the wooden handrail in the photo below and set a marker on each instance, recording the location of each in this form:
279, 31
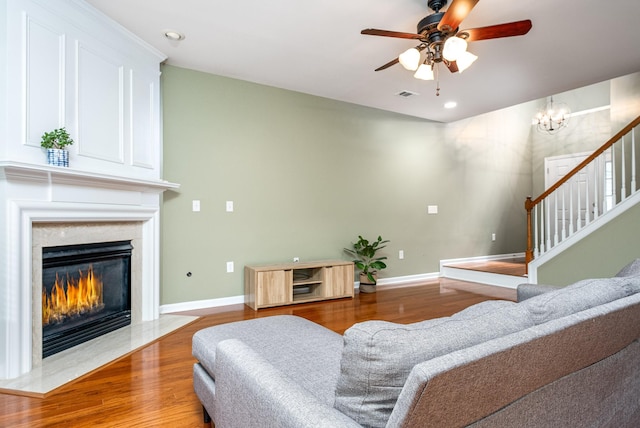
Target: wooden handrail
529, 204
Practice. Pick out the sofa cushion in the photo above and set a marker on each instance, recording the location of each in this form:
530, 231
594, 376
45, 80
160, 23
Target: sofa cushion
378, 356
305, 351
632, 269
580, 296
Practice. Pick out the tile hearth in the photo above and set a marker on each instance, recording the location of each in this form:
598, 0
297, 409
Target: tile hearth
71, 364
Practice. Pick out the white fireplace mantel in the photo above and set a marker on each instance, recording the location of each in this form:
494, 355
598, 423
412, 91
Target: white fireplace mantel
42, 194
53, 175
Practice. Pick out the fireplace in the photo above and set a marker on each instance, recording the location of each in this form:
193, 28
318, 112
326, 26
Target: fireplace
86, 292
51, 207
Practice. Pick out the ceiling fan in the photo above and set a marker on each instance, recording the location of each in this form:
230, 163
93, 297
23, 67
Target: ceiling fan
443, 42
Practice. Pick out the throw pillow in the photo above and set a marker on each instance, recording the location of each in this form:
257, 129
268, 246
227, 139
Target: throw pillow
579, 296
631, 269
378, 356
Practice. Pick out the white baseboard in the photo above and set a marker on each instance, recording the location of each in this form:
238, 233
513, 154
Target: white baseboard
234, 300
383, 282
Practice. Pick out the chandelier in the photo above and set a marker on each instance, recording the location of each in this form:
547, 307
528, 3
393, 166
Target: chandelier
552, 118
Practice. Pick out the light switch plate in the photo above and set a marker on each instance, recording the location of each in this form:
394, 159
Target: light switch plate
432, 209
195, 205
229, 206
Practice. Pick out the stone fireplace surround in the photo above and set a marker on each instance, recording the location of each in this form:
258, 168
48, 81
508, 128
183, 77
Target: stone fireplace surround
47, 204
66, 233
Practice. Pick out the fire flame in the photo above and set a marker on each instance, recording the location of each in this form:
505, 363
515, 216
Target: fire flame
82, 295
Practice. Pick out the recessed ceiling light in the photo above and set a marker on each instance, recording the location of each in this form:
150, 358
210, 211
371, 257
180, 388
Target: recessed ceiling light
450, 104
174, 35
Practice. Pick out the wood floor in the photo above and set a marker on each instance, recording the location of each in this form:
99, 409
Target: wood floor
152, 387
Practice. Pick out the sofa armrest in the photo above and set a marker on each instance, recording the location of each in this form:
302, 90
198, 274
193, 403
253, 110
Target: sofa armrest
527, 291
250, 392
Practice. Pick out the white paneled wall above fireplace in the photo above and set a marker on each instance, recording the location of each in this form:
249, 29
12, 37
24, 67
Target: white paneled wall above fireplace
70, 66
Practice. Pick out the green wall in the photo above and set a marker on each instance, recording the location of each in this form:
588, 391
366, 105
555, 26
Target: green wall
308, 174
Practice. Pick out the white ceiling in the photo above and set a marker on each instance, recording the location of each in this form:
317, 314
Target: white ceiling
315, 47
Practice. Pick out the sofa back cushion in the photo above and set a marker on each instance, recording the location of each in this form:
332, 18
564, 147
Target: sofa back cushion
580, 296
632, 269
378, 356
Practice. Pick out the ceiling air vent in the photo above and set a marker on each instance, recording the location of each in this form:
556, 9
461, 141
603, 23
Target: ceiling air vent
406, 94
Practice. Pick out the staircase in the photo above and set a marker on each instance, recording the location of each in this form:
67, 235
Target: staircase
594, 193
590, 196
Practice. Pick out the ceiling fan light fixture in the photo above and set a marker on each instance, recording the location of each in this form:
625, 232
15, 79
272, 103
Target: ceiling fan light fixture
465, 60
424, 72
453, 48
410, 59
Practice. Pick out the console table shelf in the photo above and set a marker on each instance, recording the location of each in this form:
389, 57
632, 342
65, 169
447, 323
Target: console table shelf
291, 283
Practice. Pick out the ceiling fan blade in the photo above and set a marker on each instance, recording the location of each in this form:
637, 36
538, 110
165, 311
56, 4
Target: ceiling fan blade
386, 33
387, 65
510, 29
452, 66
456, 12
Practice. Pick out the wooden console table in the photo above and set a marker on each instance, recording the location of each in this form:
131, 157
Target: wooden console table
291, 283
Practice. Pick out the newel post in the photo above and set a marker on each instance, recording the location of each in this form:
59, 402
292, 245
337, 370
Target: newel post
528, 205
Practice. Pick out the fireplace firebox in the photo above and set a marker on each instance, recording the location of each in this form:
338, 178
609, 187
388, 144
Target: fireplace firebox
86, 292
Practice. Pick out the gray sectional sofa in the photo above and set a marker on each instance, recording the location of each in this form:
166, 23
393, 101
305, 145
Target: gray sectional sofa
562, 357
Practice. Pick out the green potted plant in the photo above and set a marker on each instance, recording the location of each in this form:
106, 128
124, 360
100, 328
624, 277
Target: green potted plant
55, 143
367, 262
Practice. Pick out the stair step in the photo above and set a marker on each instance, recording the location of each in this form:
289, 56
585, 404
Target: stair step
481, 277
502, 270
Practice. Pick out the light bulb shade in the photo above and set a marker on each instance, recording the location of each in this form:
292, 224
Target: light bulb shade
410, 59
465, 60
453, 48
424, 72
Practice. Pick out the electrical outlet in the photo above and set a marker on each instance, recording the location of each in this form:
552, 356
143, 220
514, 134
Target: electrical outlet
432, 209
401, 254
493, 236
229, 267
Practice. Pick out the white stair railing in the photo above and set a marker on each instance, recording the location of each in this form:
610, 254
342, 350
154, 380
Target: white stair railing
591, 189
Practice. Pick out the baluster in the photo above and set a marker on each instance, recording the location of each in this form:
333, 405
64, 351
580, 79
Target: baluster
564, 213
614, 192
623, 174
547, 225
536, 245
633, 160
596, 185
555, 218
579, 225
571, 225
542, 227
587, 206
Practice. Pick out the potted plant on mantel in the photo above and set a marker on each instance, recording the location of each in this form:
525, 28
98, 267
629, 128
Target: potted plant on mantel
55, 143
367, 262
